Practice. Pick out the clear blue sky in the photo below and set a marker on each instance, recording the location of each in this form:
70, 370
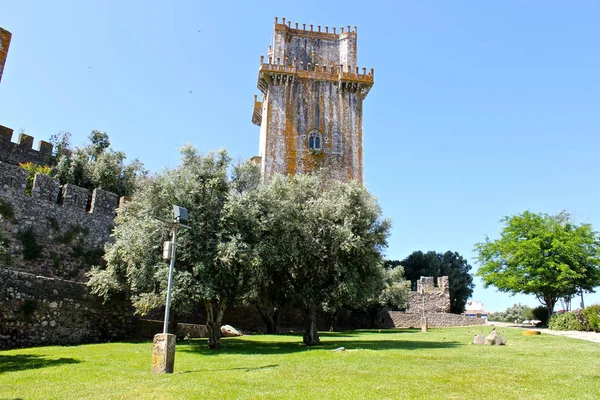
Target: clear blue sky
479, 109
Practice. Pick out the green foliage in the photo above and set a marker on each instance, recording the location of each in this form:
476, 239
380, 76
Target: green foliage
61, 145
450, 264
541, 313
32, 170
53, 223
545, 255
517, 312
210, 266
566, 321
592, 317
99, 166
316, 247
31, 249
70, 234
27, 308
6, 209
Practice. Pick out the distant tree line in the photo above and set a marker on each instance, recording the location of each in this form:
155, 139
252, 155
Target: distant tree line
435, 264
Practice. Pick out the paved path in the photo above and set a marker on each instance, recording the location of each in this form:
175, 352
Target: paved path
589, 336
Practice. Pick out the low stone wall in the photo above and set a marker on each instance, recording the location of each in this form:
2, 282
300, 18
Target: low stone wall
36, 311
147, 328
399, 319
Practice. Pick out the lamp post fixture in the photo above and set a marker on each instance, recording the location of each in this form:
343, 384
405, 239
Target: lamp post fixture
163, 355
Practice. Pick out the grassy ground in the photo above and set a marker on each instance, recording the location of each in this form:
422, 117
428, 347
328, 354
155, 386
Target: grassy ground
394, 364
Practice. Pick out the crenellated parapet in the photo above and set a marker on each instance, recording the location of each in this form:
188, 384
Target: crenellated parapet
314, 55
71, 224
13, 181
310, 113
22, 151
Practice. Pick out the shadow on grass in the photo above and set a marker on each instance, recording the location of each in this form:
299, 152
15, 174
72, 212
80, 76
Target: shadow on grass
329, 341
22, 362
247, 369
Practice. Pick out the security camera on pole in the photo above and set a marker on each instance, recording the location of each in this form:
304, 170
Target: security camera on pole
163, 353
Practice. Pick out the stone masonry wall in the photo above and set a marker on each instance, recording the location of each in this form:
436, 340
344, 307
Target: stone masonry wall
22, 151
5, 37
437, 298
311, 84
37, 311
399, 319
52, 238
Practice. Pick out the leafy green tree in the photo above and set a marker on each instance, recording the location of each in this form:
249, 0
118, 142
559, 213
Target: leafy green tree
212, 256
97, 166
515, 312
545, 255
319, 246
450, 264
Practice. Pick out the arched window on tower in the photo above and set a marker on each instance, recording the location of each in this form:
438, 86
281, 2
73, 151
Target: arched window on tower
315, 140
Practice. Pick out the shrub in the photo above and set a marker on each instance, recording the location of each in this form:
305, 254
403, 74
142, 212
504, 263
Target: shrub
32, 170
31, 248
541, 313
515, 312
6, 209
592, 316
566, 321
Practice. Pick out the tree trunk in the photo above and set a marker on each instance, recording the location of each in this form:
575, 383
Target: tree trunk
550, 303
333, 317
214, 318
270, 316
311, 336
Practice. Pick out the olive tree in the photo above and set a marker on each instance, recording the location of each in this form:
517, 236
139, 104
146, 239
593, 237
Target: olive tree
319, 245
211, 265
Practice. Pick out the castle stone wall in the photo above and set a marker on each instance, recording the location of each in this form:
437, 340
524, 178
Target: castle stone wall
70, 236
399, 319
22, 151
40, 311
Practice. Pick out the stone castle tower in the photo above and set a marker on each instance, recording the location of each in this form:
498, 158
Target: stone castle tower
4, 43
310, 114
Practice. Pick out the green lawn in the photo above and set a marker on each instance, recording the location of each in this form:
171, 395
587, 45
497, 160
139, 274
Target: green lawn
394, 364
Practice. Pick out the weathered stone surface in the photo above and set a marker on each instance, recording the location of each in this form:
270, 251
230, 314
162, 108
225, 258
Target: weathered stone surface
495, 339
230, 331
479, 339
5, 37
163, 353
70, 236
399, 319
36, 311
311, 84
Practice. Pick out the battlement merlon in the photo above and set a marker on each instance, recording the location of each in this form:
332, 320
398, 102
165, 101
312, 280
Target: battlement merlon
341, 73
314, 45
22, 151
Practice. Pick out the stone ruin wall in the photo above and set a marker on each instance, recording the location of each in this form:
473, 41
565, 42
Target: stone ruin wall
437, 298
69, 224
41, 311
5, 37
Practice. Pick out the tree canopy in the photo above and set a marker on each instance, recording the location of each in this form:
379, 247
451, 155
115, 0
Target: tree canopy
211, 268
318, 246
548, 256
450, 264
96, 165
